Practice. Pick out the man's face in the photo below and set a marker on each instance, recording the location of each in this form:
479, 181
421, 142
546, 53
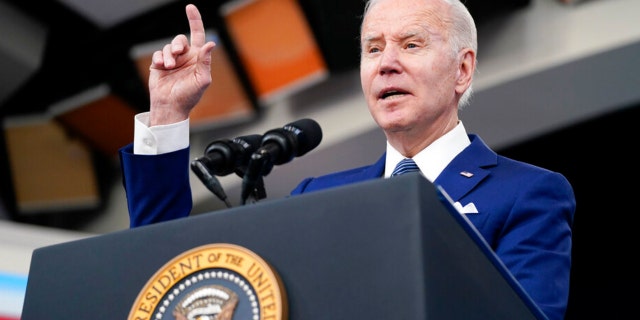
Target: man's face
408, 71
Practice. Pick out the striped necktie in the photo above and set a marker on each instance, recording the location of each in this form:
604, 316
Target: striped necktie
404, 166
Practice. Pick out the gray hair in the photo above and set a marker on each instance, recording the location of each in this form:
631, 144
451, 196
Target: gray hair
463, 34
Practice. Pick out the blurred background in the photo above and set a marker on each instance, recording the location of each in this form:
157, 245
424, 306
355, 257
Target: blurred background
557, 86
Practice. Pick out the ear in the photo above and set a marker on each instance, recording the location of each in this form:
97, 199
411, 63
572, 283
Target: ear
466, 70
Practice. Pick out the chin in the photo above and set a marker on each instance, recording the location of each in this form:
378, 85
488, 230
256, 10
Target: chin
393, 125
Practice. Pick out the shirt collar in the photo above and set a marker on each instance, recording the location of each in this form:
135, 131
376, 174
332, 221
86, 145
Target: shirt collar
435, 157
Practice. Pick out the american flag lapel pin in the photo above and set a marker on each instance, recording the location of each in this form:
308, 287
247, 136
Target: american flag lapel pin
466, 174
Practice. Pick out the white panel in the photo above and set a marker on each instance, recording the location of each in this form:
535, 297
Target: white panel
107, 13
21, 47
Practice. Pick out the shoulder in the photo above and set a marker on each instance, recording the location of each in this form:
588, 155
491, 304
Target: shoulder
528, 172
335, 179
505, 167
341, 178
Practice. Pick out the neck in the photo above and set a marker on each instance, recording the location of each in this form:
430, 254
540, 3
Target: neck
410, 143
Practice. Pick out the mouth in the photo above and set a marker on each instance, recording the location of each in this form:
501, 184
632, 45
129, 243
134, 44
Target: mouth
390, 93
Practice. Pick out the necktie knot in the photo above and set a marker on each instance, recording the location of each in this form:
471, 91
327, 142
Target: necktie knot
405, 166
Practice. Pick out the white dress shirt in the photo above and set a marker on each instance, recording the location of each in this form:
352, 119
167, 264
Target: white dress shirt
434, 158
159, 139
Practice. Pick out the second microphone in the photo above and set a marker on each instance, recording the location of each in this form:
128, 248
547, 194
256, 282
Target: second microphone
280, 146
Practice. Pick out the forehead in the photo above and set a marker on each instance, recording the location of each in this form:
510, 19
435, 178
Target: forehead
395, 17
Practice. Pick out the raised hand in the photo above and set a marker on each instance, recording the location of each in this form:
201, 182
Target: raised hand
180, 73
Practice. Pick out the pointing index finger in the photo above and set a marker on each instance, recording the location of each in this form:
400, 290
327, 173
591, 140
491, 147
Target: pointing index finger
196, 26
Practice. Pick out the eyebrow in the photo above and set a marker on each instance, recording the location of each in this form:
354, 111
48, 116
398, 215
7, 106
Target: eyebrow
370, 39
401, 37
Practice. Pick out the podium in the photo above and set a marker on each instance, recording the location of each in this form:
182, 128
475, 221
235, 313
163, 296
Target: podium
380, 249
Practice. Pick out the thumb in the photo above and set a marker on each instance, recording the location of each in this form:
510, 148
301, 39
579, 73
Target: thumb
204, 56
203, 65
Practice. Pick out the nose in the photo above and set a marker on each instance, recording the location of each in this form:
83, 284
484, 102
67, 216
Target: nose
390, 61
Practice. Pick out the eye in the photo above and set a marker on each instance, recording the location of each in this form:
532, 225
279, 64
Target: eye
371, 50
411, 45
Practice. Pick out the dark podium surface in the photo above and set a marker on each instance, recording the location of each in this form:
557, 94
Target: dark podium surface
382, 249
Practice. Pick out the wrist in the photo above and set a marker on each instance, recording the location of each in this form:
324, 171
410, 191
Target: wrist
164, 116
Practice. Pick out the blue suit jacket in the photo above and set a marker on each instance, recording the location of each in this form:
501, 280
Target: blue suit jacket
525, 213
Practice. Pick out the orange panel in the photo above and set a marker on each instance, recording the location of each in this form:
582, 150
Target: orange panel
276, 45
51, 171
105, 124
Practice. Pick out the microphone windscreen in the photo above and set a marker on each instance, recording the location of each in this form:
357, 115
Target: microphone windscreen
308, 134
249, 143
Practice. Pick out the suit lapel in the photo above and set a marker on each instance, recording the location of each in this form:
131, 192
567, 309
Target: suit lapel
467, 169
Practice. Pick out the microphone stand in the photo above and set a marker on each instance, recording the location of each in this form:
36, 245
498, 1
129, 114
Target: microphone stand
252, 180
258, 193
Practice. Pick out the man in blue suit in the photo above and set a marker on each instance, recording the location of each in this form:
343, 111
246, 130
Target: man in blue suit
417, 64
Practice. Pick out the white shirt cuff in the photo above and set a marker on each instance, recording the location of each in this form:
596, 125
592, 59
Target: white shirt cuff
159, 139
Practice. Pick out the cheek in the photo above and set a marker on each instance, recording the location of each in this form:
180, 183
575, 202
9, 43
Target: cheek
438, 80
366, 77
366, 70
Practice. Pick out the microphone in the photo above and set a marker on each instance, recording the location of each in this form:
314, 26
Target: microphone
293, 140
280, 146
224, 156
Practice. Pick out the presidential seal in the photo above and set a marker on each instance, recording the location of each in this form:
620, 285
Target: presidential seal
213, 282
